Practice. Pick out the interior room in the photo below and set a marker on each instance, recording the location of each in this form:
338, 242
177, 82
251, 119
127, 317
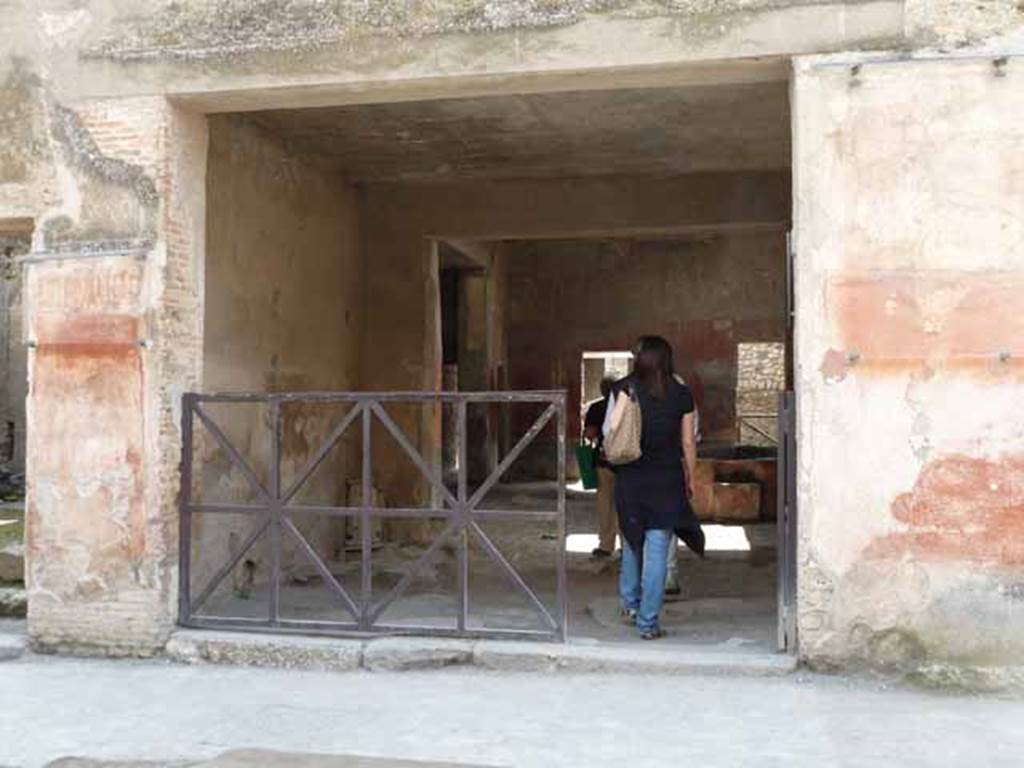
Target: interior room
514, 243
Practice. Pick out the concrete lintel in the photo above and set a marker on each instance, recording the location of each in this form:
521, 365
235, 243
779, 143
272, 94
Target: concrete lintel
682, 232
332, 93
465, 253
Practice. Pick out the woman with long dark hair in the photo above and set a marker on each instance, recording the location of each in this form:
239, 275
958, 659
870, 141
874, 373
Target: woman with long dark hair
652, 494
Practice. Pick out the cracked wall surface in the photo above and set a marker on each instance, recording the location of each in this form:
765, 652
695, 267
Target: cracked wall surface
954, 24
116, 334
705, 296
282, 313
112, 177
219, 29
909, 183
98, 48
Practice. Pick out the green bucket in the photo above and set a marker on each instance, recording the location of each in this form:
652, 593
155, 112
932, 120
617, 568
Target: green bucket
586, 460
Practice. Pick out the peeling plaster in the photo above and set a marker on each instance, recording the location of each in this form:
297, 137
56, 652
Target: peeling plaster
104, 201
834, 366
84, 154
961, 509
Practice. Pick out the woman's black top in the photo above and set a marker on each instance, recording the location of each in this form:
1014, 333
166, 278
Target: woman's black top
650, 492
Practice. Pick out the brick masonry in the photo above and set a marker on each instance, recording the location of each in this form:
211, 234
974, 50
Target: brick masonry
117, 340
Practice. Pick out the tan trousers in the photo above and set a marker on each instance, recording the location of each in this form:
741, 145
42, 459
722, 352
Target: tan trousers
607, 520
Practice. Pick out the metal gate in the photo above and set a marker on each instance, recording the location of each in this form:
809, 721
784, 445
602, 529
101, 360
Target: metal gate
460, 511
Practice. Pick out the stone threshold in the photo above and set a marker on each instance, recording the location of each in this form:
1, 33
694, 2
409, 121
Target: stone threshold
396, 654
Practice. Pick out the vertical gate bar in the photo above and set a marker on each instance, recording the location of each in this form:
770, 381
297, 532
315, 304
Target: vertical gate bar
275, 523
365, 533
792, 513
562, 603
781, 473
464, 512
185, 516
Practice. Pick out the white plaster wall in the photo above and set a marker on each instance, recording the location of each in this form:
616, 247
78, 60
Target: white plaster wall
909, 238
283, 311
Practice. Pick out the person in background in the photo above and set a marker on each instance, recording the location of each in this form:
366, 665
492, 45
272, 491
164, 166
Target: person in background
607, 522
652, 494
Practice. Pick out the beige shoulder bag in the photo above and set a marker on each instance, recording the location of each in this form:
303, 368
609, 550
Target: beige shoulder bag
622, 440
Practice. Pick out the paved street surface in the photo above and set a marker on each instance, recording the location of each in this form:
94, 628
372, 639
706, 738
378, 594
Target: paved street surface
57, 707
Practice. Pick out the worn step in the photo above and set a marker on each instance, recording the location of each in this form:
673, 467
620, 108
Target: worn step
396, 654
12, 562
13, 602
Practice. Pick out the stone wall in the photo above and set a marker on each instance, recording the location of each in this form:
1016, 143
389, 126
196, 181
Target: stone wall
760, 376
909, 183
401, 347
283, 312
15, 241
128, 48
113, 310
707, 297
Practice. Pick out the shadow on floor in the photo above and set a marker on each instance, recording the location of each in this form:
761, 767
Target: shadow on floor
727, 599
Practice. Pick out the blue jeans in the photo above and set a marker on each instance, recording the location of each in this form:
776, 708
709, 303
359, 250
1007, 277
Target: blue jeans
643, 592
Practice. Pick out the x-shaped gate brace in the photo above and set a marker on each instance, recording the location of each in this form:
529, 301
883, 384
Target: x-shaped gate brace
273, 509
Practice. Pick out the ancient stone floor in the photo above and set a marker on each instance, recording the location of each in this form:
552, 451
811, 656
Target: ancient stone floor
55, 707
728, 599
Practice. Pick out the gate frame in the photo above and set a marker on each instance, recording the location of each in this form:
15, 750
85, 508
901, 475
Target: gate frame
786, 525
459, 510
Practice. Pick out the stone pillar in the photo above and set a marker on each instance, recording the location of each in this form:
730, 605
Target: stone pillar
114, 316
908, 189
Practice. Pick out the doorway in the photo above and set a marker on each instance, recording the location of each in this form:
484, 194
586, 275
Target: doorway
495, 246
595, 367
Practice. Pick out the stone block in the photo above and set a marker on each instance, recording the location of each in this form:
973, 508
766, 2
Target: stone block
12, 563
13, 603
396, 654
736, 502
617, 659
276, 651
703, 489
763, 471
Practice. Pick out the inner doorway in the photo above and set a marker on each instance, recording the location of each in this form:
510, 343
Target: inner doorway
595, 367
721, 300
